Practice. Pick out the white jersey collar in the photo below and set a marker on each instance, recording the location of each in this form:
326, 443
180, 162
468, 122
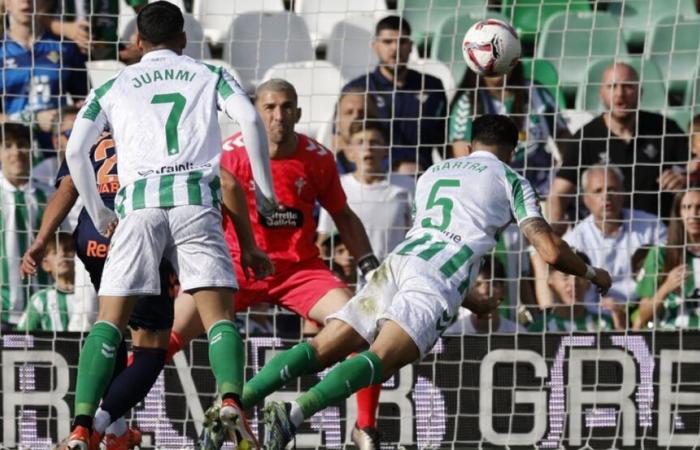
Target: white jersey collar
158, 54
483, 154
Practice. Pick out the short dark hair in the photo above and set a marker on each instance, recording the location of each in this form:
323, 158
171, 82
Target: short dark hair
160, 22
495, 129
367, 125
492, 269
60, 239
15, 133
393, 23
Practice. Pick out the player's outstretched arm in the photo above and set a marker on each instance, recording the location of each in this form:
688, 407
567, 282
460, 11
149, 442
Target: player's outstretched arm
84, 135
57, 208
252, 257
354, 235
239, 108
557, 253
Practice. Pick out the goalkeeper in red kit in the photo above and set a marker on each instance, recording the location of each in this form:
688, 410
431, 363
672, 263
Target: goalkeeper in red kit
304, 173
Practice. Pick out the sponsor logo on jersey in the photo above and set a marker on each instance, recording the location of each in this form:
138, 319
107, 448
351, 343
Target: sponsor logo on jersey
96, 249
176, 168
287, 218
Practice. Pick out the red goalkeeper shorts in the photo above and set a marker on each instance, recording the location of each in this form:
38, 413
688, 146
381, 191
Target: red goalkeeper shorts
298, 288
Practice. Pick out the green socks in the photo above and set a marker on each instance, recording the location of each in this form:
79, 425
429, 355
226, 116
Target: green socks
95, 367
348, 377
227, 357
295, 362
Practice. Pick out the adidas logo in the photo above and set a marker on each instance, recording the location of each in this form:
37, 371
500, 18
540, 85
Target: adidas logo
108, 351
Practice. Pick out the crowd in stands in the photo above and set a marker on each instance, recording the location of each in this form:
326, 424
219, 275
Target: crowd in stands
623, 189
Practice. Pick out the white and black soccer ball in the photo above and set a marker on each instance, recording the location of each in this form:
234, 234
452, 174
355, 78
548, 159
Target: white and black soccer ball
491, 47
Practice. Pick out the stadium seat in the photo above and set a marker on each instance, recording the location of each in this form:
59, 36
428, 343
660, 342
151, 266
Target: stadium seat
197, 47
544, 73
638, 17
653, 85
99, 72
321, 16
691, 100
216, 16
528, 16
572, 40
437, 69
318, 85
447, 43
258, 41
349, 46
673, 45
426, 16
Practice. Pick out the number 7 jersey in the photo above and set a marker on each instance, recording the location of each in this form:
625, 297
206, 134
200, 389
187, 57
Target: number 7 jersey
163, 116
460, 205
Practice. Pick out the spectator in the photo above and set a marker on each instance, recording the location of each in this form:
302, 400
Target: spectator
569, 312
382, 203
648, 148
413, 104
91, 25
531, 107
694, 164
21, 208
45, 171
353, 106
490, 283
39, 70
668, 289
342, 263
52, 309
611, 234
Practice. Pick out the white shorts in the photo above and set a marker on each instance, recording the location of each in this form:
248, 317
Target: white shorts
190, 237
410, 292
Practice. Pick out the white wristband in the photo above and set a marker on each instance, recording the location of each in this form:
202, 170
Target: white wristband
590, 272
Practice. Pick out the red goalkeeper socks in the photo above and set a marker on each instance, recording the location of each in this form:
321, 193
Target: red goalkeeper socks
367, 403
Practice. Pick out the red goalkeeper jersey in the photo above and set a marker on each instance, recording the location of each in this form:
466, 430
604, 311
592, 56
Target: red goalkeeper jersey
308, 176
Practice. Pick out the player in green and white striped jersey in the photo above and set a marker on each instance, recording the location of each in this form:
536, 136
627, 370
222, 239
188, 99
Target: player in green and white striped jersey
570, 312
416, 293
22, 204
52, 309
669, 284
163, 115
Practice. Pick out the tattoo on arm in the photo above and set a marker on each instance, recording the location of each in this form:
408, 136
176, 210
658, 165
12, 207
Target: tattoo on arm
535, 226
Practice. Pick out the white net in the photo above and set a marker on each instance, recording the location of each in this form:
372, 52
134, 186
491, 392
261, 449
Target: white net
604, 97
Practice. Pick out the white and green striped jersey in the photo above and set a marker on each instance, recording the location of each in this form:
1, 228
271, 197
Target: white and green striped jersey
585, 321
163, 116
460, 205
49, 310
681, 308
21, 210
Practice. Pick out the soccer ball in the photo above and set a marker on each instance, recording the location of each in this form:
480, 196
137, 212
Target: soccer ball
491, 47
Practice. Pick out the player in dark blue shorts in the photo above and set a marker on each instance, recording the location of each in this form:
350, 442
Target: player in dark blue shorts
152, 318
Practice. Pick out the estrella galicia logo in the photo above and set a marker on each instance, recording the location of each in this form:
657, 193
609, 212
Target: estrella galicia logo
286, 218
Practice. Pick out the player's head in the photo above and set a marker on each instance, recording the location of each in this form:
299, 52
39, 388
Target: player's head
23, 12
603, 192
490, 283
62, 129
569, 289
276, 102
368, 146
59, 258
354, 105
392, 41
160, 25
496, 134
15, 154
619, 90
